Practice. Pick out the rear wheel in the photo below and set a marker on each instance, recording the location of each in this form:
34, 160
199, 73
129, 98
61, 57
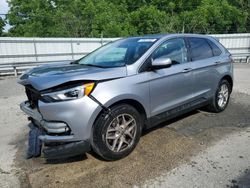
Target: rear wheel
221, 98
115, 135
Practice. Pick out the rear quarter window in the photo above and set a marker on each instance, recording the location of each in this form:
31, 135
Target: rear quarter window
200, 49
216, 50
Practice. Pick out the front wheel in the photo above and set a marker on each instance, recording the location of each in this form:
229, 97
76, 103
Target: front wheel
116, 134
221, 98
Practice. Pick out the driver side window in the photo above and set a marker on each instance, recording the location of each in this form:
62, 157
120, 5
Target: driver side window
174, 49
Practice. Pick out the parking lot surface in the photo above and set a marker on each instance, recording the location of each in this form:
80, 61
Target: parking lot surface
199, 149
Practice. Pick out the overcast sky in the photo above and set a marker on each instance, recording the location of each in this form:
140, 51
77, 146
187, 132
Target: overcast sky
3, 7
3, 10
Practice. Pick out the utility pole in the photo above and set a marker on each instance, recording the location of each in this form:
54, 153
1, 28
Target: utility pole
101, 38
183, 27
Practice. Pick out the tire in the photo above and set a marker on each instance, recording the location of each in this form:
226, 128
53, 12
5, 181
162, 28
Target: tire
219, 102
116, 134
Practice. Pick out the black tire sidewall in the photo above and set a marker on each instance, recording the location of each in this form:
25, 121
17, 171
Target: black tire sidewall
101, 125
217, 107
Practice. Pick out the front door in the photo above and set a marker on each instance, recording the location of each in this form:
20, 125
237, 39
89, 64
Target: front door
171, 87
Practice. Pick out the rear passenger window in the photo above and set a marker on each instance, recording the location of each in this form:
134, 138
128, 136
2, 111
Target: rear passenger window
200, 49
215, 48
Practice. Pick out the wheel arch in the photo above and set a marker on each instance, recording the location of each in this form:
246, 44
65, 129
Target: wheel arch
133, 102
229, 79
136, 104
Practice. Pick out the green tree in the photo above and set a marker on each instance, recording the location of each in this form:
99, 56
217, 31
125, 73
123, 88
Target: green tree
116, 18
60, 18
244, 6
2, 24
214, 16
30, 18
148, 19
107, 19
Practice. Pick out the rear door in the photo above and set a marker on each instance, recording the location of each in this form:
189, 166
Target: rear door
203, 67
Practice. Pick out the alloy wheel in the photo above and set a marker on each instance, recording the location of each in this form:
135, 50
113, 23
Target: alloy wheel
121, 133
223, 96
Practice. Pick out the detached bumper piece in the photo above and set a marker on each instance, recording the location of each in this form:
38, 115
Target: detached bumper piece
66, 150
34, 143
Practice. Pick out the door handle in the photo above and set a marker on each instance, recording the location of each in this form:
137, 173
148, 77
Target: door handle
217, 62
187, 70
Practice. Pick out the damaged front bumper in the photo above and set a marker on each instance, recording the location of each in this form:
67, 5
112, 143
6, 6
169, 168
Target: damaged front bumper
58, 142
53, 127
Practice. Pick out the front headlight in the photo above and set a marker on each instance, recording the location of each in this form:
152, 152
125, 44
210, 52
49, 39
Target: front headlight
69, 94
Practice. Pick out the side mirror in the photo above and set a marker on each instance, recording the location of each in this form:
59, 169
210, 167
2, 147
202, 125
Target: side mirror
161, 63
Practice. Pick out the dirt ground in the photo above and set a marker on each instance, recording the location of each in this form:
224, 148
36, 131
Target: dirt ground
170, 155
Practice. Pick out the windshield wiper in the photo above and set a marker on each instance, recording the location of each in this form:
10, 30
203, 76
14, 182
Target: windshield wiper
92, 65
74, 62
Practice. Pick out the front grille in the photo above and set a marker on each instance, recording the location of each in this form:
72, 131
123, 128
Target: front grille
33, 96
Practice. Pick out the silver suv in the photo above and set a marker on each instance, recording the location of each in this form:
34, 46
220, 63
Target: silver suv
103, 101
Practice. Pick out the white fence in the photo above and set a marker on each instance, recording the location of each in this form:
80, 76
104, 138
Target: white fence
237, 44
19, 50
18, 54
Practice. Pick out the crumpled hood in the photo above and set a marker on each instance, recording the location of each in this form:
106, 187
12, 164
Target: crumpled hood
47, 76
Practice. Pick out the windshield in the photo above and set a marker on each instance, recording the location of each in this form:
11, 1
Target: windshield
118, 53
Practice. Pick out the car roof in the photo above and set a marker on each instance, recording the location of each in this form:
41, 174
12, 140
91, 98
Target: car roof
159, 36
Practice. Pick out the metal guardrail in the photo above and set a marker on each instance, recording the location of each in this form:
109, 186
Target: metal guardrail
41, 55
241, 57
20, 54
17, 68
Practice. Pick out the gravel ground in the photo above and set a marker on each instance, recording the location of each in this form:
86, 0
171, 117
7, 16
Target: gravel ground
199, 149
223, 165
242, 78
10, 96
